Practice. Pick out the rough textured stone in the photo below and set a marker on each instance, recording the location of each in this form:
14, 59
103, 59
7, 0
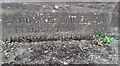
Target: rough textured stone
25, 19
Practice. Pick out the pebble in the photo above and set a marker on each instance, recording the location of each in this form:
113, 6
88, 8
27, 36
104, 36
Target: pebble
83, 41
53, 58
56, 6
70, 42
6, 53
12, 48
29, 48
45, 51
0, 20
63, 62
35, 42
53, 11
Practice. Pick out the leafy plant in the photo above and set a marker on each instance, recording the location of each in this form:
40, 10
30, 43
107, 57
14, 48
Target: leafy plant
103, 39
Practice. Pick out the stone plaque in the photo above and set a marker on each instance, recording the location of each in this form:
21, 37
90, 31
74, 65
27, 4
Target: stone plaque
35, 19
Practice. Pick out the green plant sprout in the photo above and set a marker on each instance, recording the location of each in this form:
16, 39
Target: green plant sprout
103, 39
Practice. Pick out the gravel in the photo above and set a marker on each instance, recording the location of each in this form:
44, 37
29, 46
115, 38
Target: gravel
61, 52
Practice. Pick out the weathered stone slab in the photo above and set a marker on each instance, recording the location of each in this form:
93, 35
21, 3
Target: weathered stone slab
24, 19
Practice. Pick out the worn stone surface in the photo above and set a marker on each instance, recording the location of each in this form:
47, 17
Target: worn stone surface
24, 19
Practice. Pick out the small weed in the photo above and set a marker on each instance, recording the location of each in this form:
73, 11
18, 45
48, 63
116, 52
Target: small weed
103, 39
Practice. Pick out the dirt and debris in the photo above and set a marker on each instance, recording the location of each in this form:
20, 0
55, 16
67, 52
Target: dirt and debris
61, 52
